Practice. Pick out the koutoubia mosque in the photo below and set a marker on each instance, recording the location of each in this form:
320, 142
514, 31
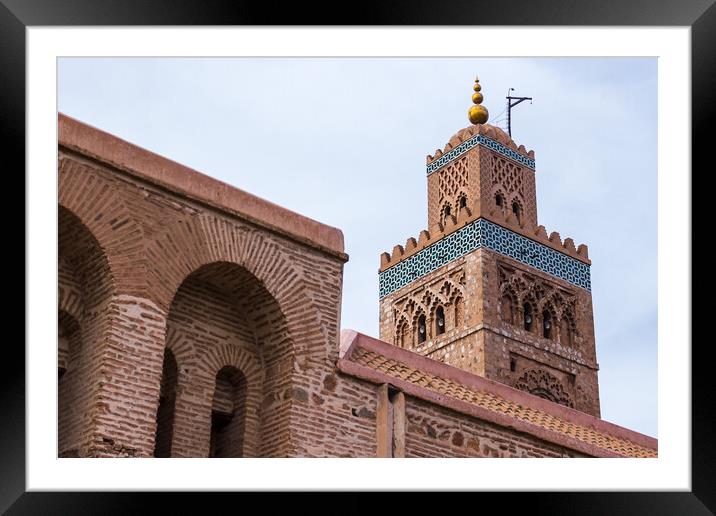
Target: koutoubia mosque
198, 320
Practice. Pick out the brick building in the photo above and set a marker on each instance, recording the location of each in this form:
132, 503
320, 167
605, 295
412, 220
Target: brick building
197, 320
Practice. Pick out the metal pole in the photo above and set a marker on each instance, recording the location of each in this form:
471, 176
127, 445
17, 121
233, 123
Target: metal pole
509, 117
510, 105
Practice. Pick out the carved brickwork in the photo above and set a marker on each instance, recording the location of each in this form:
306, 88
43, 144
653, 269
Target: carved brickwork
446, 292
510, 188
526, 299
553, 307
541, 383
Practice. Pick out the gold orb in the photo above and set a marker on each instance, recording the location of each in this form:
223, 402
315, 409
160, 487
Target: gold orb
477, 98
477, 87
477, 114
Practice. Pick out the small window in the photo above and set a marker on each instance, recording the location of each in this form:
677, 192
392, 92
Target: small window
463, 202
439, 321
499, 201
422, 331
547, 325
447, 211
528, 317
228, 414
513, 365
517, 211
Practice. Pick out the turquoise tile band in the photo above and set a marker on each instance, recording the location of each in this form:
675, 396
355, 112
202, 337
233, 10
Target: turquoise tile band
483, 233
479, 139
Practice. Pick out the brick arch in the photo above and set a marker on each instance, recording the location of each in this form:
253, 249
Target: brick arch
222, 315
69, 290
192, 243
209, 365
401, 326
96, 201
86, 288
182, 348
454, 291
499, 192
461, 193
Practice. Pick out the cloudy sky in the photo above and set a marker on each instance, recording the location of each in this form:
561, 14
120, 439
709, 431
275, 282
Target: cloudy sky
344, 141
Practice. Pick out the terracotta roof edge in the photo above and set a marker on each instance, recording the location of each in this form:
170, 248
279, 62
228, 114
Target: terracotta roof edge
123, 155
468, 379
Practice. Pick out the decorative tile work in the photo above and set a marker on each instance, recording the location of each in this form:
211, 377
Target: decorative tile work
483, 233
480, 139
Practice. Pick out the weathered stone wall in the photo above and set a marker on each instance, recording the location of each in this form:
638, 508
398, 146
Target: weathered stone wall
434, 431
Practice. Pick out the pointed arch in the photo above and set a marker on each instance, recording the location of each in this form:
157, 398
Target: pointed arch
439, 320
402, 332
517, 209
223, 316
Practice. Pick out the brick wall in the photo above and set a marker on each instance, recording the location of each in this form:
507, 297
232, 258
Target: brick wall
144, 267
434, 431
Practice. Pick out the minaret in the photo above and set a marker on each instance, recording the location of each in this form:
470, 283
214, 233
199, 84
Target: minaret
484, 288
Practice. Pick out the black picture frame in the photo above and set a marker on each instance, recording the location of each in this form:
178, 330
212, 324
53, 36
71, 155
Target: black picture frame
700, 15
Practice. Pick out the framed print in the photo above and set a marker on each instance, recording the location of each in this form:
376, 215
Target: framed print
199, 320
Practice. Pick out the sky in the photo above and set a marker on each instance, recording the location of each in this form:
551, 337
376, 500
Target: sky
344, 141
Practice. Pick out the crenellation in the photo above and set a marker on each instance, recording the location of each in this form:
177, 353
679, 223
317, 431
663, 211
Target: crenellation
426, 238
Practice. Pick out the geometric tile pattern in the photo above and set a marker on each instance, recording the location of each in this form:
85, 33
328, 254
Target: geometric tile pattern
483, 233
480, 139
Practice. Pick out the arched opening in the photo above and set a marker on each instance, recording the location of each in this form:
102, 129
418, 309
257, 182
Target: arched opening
402, 334
527, 316
422, 329
462, 203
230, 319
565, 331
439, 321
445, 214
517, 210
167, 399
500, 201
85, 287
228, 411
546, 325
507, 309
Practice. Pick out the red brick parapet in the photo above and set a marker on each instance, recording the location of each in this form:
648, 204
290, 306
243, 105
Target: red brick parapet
503, 405
120, 154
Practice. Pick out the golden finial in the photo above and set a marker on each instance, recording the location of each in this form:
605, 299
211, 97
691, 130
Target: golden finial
478, 113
